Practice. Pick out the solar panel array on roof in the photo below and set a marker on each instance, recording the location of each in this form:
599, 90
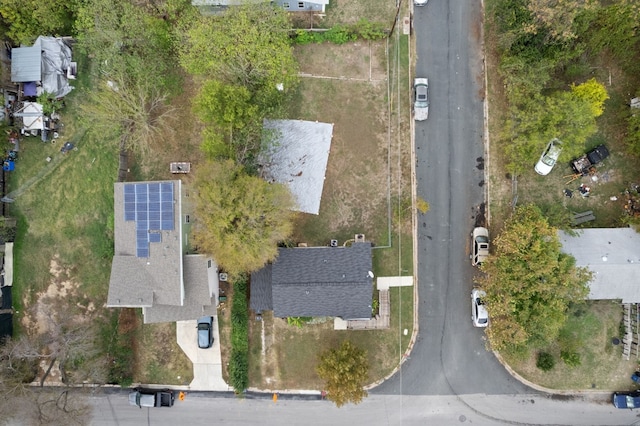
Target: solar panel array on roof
150, 205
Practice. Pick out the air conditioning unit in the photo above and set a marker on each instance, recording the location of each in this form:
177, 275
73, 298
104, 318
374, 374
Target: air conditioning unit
360, 238
222, 276
334, 243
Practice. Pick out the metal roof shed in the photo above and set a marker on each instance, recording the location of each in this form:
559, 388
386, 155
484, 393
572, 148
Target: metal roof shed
26, 63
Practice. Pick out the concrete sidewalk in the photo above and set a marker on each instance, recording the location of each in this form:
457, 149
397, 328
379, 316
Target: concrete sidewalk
207, 363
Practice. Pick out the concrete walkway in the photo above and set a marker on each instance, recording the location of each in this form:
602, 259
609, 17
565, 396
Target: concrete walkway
207, 363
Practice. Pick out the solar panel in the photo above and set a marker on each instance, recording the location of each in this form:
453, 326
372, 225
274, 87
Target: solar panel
129, 211
151, 206
166, 187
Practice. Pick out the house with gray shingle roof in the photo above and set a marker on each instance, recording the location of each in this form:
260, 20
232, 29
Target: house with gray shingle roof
151, 268
316, 282
613, 256
317, 6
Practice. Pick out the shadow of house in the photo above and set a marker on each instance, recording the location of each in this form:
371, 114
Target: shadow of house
150, 268
316, 282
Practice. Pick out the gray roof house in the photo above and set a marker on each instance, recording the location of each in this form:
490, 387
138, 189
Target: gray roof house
150, 269
613, 256
47, 63
315, 282
317, 6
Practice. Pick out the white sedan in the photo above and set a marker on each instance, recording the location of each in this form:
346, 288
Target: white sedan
549, 157
479, 314
479, 245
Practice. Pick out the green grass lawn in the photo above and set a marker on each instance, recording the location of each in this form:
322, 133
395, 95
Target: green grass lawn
590, 330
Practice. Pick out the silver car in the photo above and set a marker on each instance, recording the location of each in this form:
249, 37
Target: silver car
421, 99
479, 314
479, 245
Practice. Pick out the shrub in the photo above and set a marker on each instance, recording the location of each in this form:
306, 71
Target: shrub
572, 359
341, 34
239, 362
545, 361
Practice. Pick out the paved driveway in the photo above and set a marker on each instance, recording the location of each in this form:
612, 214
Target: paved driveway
207, 363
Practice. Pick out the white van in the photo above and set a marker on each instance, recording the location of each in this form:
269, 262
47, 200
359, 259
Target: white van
420, 2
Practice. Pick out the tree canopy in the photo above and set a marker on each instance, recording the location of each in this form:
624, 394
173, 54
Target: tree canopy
345, 371
566, 115
247, 45
24, 20
240, 218
529, 282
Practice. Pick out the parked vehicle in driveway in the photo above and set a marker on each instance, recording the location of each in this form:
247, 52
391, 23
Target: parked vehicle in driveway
479, 314
629, 400
421, 99
152, 397
549, 157
479, 245
420, 2
205, 332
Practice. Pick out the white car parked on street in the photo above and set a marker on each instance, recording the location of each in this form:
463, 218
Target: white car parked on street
421, 99
479, 314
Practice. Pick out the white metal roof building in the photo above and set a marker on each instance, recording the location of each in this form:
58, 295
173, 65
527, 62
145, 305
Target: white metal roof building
297, 157
613, 256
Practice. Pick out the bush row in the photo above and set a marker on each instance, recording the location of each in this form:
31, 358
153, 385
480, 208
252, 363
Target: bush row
239, 362
341, 34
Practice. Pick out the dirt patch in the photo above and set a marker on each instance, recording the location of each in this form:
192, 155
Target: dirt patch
352, 93
58, 308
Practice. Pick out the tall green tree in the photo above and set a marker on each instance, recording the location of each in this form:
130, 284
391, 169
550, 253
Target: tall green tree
24, 20
530, 283
233, 121
246, 45
345, 371
240, 218
133, 38
565, 115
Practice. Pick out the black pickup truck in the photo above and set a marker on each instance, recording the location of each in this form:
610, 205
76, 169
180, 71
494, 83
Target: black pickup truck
152, 397
583, 165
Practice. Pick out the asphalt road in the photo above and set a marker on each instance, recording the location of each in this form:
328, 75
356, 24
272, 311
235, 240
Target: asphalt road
449, 357
477, 410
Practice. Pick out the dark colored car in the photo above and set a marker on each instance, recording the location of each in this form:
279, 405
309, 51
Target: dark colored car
629, 400
582, 165
205, 332
152, 397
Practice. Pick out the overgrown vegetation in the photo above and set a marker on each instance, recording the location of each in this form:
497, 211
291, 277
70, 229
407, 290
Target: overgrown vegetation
530, 284
239, 361
341, 34
540, 44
